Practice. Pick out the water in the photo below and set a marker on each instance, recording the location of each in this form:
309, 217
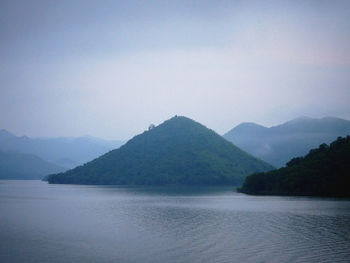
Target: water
69, 223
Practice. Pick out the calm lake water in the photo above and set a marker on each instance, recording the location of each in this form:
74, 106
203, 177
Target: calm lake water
69, 223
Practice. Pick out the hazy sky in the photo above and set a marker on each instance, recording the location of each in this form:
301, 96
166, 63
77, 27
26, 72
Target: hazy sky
110, 68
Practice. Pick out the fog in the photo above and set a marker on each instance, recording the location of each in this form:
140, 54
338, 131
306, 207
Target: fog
110, 68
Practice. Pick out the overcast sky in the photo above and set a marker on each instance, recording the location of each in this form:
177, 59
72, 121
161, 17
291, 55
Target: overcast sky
111, 68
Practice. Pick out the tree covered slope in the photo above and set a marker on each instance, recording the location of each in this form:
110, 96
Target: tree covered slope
323, 172
179, 151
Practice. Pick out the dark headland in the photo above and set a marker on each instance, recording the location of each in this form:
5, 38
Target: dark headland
178, 151
322, 172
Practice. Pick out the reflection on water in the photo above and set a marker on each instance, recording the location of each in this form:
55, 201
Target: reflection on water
67, 223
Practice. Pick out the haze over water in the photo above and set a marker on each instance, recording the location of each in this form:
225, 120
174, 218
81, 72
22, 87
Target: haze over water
69, 223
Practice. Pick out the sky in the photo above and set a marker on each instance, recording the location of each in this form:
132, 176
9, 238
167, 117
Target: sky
111, 68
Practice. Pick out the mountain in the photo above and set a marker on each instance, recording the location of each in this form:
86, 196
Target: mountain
278, 144
66, 152
25, 166
179, 151
322, 172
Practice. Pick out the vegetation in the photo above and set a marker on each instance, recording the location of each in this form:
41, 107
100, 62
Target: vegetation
323, 172
179, 151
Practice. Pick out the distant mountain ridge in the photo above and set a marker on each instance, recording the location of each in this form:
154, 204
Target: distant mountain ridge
15, 165
178, 151
278, 144
66, 152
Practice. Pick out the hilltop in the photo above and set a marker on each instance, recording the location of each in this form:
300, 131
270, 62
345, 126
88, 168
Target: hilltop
178, 151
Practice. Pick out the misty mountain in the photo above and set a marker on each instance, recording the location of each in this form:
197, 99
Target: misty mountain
278, 144
178, 151
66, 152
25, 166
324, 171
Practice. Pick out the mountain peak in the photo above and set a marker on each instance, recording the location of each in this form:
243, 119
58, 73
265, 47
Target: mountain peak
249, 125
301, 118
280, 143
179, 120
247, 128
307, 124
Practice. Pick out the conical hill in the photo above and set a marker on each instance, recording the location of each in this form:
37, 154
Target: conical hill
178, 151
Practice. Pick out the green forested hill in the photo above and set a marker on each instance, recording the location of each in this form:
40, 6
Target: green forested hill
323, 172
179, 151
